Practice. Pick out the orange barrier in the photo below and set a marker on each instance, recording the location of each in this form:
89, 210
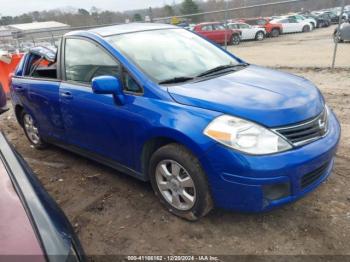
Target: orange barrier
6, 68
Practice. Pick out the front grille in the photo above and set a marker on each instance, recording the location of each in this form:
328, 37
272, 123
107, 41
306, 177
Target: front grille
307, 132
310, 178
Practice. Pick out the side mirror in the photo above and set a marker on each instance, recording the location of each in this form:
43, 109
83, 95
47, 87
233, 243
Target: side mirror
109, 85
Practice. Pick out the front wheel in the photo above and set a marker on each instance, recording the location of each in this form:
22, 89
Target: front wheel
259, 36
275, 32
179, 182
306, 29
235, 40
337, 38
31, 131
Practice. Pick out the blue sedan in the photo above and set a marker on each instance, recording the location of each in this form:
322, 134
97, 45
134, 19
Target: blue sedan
164, 105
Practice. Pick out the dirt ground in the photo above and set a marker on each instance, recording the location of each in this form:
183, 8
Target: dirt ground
314, 49
116, 214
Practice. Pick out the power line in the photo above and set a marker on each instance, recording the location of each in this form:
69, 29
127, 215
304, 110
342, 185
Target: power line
230, 9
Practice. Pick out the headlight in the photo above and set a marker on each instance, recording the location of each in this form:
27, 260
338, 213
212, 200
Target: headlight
245, 136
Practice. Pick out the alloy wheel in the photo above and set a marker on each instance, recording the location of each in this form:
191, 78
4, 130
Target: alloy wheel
337, 38
31, 129
236, 40
260, 36
176, 185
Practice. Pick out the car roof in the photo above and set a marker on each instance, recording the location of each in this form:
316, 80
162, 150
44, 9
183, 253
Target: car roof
209, 23
238, 23
254, 18
127, 28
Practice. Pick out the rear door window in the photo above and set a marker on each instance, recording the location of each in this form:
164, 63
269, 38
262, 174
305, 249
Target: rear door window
207, 28
244, 26
234, 26
219, 27
39, 67
41, 63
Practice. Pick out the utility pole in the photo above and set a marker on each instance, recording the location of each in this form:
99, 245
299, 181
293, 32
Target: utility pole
150, 14
226, 26
338, 32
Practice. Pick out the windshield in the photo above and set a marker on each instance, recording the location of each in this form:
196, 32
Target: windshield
171, 53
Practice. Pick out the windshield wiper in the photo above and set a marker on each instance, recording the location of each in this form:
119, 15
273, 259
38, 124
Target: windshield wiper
175, 80
222, 68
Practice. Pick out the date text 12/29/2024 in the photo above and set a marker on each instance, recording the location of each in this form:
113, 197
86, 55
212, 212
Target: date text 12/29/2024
172, 258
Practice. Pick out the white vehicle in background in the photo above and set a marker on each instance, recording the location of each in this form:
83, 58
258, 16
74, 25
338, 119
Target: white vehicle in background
300, 18
248, 32
292, 25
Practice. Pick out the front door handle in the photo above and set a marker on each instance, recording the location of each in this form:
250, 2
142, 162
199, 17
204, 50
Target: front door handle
67, 95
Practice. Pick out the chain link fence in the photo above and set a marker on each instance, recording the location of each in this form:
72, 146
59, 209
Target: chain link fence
23, 41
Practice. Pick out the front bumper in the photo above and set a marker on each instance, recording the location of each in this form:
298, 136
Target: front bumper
239, 181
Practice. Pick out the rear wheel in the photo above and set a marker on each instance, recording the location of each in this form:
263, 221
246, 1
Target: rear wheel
275, 32
337, 38
31, 131
260, 36
179, 182
306, 29
235, 40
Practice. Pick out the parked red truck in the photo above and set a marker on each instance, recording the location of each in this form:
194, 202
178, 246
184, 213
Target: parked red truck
215, 31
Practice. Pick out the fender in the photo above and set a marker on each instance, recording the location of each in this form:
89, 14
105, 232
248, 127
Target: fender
198, 146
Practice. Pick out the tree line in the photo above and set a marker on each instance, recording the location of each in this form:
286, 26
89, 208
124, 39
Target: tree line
96, 16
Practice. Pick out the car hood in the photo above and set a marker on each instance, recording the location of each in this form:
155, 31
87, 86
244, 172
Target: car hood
266, 96
17, 234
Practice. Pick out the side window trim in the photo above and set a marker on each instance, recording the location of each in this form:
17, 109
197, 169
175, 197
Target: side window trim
121, 69
124, 73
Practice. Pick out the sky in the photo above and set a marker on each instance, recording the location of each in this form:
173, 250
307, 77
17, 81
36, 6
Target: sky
17, 7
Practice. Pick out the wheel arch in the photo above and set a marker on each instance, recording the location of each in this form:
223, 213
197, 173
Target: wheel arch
18, 112
161, 138
280, 29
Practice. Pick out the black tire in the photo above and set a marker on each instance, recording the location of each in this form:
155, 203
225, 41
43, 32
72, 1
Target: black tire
260, 36
275, 32
40, 144
235, 40
203, 201
337, 38
4, 108
306, 29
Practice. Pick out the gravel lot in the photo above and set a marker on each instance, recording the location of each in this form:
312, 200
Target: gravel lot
314, 49
116, 214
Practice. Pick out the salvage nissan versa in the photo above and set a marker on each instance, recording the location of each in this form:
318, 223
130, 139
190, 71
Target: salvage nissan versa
163, 104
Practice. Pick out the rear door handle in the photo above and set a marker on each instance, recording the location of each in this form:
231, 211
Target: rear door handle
67, 95
19, 88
